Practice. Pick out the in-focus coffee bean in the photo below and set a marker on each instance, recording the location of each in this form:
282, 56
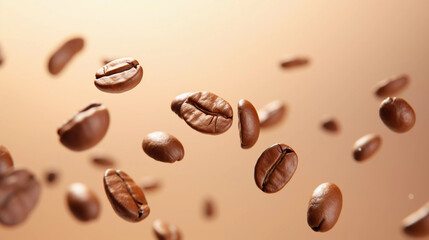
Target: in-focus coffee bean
149, 184
119, 75
177, 102
330, 125
324, 207
103, 161
165, 231
275, 167
163, 147
417, 223
397, 114
51, 176
86, 128
82, 202
126, 198
207, 113
64, 54
6, 161
294, 62
248, 124
366, 146
209, 208
272, 113
392, 86
19, 194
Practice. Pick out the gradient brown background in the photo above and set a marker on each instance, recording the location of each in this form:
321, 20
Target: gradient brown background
231, 48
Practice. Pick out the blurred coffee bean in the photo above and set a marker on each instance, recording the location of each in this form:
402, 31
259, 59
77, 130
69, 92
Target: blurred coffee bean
64, 54
209, 208
291, 62
366, 146
165, 231
272, 113
417, 223
1, 57
82, 202
177, 102
397, 114
248, 124
392, 86
163, 147
330, 125
6, 161
149, 184
51, 176
103, 161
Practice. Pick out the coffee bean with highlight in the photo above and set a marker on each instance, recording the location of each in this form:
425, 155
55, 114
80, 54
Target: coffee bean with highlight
366, 146
291, 62
6, 161
165, 231
272, 114
397, 114
82, 202
417, 223
275, 167
392, 86
126, 198
163, 147
330, 125
324, 207
64, 54
177, 102
248, 124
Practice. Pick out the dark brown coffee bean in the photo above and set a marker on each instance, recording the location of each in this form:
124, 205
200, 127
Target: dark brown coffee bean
51, 176
177, 102
165, 231
19, 194
294, 61
64, 54
86, 128
82, 202
248, 124
417, 223
392, 86
119, 75
209, 208
148, 184
366, 146
6, 162
103, 161
126, 198
207, 113
275, 167
324, 207
397, 114
272, 114
330, 125
163, 147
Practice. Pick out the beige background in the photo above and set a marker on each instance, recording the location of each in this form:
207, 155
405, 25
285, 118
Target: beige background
231, 48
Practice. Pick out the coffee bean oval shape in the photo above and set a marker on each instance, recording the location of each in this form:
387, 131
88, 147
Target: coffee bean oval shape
291, 62
397, 114
19, 194
163, 147
209, 208
392, 86
64, 54
1, 57
103, 161
207, 113
417, 223
272, 114
330, 125
82, 202
248, 124
366, 146
51, 176
275, 167
149, 183
6, 161
86, 128
119, 75
324, 207
165, 231
126, 198
177, 102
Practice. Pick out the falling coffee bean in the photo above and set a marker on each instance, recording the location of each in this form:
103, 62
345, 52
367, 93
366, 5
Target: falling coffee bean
1, 57
51, 176
82, 202
330, 125
272, 114
165, 231
397, 114
417, 223
64, 54
366, 146
177, 102
248, 124
294, 62
209, 208
392, 86
163, 147
6, 162
149, 184
103, 161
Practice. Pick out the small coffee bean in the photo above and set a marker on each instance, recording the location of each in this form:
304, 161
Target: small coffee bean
294, 62
275, 167
209, 208
119, 75
366, 146
19, 194
51, 176
177, 102
163, 147
6, 162
165, 231
126, 198
64, 54
272, 114
1, 57
207, 113
103, 161
248, 124
397, 114
330, 125
417, 223
86, 128
392, 86
149, 183
82, 202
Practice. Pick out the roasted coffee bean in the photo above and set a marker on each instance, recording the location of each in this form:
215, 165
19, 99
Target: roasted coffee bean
294, 61
19, 194
272, 114
177, 102
366, 146
1, 57
207, 113
165, 231
163, 147
391, 86
330, 125
51, 176
86, 128
6, 162
82, 202
209, 208
248, 124
64, 54
119, 75
397, 114
275, 167
126, 198
417, 223
324, 207
149, 183
103, 161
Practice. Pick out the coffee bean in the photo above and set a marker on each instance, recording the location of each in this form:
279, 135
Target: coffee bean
1, 57
51, 176
324, 207
207, 113
163, 147
103, 161
165, 231
248, 124
149, 183
330, 125
19, 194
294, 61
397, 114
272, 114
6, 162
209, 208
366, 146
392, 86
64, 54
119, 75
417, 223
126, 198
82, 202
177, 102
86, 128
275, 167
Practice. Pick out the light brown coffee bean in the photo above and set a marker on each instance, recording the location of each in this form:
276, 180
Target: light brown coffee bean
272, 114
163, 147
209, 208
294, 62
330, 125
392, 86
82, 202
103, 161
6, 161
149, 184
177, 102
397, 114
64, 54
417, 223
324, 207
248, 124
366, 146
165, 231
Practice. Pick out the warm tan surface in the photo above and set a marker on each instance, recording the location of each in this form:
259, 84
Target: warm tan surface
231, 48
